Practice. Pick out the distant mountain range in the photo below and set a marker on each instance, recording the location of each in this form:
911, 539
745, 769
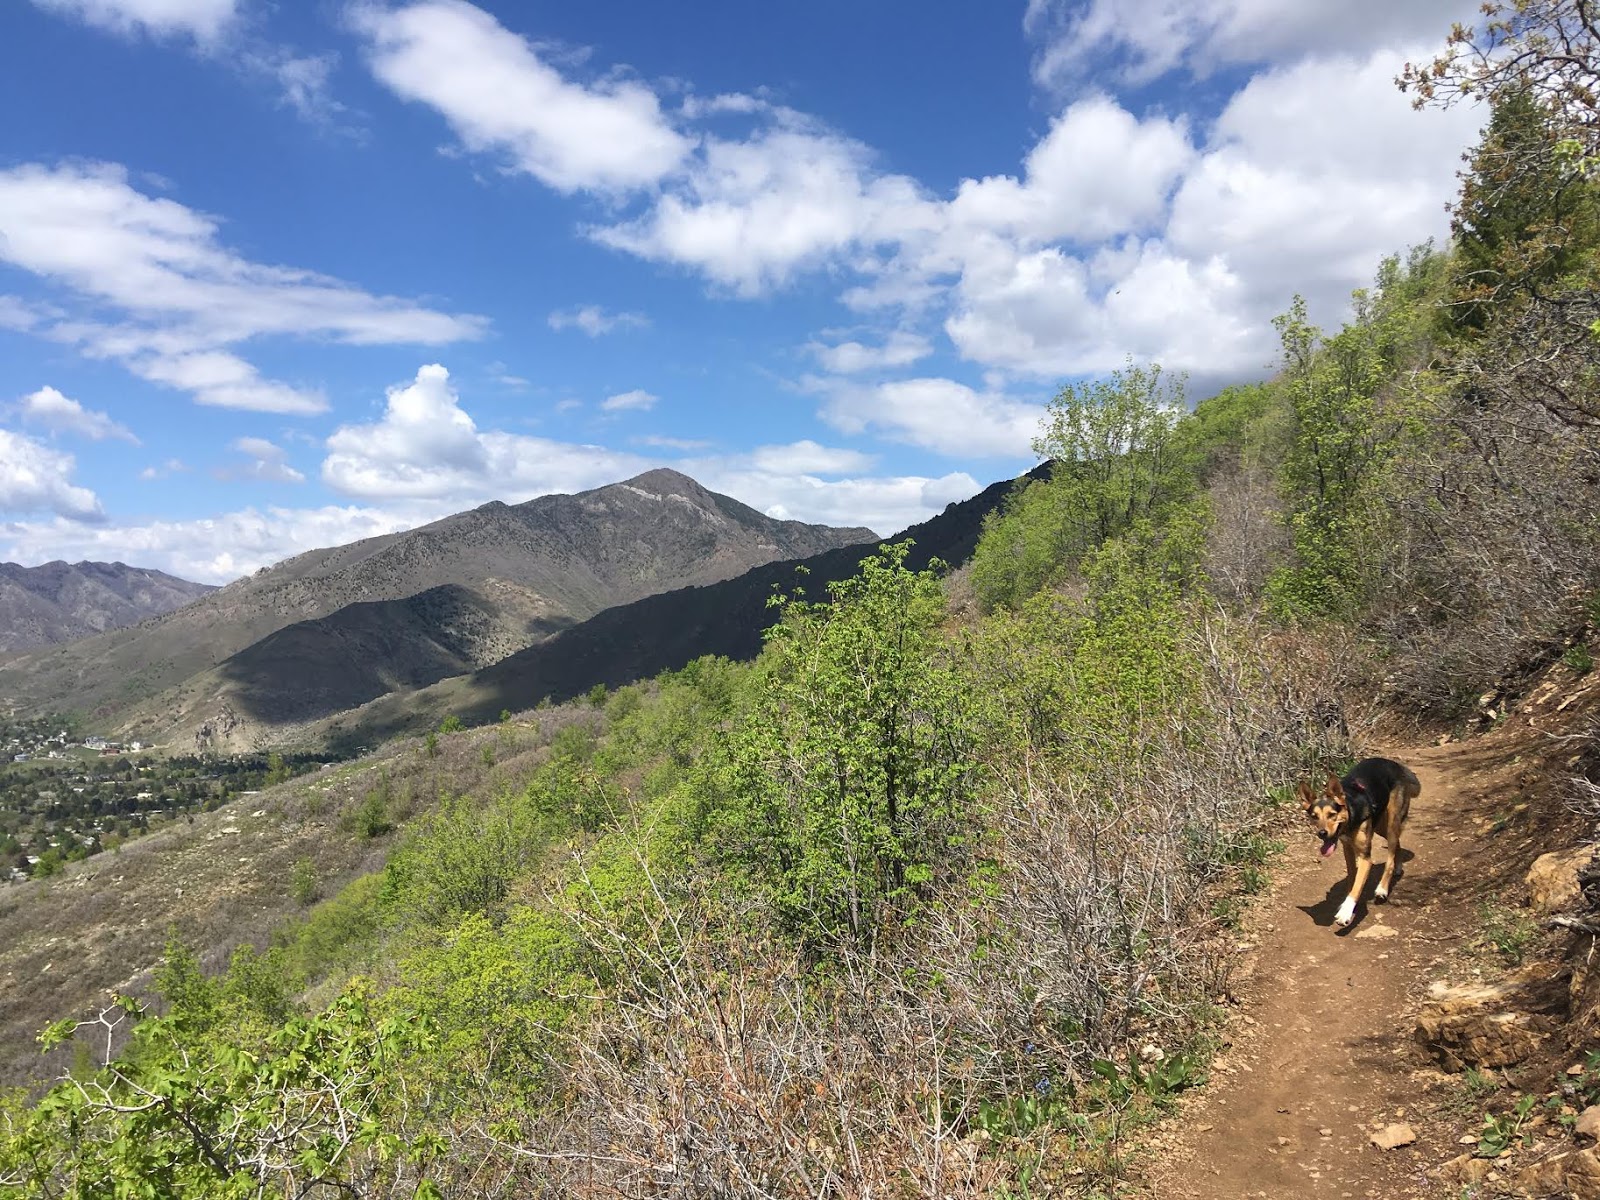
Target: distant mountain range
658, 633
261, 658
61, 602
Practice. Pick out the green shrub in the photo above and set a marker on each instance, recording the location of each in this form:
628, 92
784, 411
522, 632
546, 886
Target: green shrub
303, 883
1117, 460
852, 778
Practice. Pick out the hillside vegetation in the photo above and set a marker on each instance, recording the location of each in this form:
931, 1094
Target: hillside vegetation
934, 897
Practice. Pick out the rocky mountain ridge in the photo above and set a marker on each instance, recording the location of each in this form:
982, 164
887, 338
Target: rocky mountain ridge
60, 602
531, 568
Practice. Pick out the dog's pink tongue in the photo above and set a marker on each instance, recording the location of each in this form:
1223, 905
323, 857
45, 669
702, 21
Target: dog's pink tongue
1327, 847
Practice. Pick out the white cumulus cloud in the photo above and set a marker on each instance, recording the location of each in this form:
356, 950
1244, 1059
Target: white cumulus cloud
35, 478
214, 549
750, 214
1142, 39
51, 410
899, 349
941, 415
1097, 173
426, 446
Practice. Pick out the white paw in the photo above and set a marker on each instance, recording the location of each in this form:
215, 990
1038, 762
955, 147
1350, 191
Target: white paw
1346, 914
1381, 895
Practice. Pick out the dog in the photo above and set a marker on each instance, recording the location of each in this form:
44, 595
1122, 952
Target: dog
1374, 797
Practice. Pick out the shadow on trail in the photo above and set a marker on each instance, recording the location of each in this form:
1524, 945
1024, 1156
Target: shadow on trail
1324, 910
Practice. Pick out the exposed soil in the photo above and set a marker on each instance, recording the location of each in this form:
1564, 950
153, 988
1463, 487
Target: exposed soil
1321, 1054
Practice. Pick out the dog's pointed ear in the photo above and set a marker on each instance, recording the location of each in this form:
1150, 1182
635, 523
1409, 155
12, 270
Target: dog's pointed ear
1335, 790
1306, 794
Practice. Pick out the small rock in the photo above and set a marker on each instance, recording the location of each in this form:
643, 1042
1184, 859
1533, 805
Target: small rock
1392, 1137
1377, 931
1576, 1175
1464, 1169
1588, 1122
1283, 1141
1325, 1132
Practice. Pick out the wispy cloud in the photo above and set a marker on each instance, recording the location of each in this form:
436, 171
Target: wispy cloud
501, 97
594, 320
267, 462
638, 400
152, 287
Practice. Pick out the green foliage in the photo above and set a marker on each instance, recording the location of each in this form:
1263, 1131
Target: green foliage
1478, 1084
1239, 426
1072, 678
1117, 461
1506, 931
451, 724
430, 744
303, 882
370, 818
332, 935
192, 1000
496, 992
463, 857
851, 781
1527, 219
596, 696
1348, 429
1501, 1133
277, 769
311, 1104
1579, 659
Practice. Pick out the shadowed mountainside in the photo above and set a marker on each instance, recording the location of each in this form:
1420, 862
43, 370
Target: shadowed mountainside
659, 633
61, 602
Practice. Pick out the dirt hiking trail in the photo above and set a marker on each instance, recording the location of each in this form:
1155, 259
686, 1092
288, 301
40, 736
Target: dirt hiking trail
1320, 1055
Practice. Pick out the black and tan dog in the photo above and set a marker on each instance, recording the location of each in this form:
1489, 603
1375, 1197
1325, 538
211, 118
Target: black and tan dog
1373, 797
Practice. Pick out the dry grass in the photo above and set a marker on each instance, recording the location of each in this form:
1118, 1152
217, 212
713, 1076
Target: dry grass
226, 877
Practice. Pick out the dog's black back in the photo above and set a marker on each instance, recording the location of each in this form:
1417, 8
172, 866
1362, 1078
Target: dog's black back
1369, 784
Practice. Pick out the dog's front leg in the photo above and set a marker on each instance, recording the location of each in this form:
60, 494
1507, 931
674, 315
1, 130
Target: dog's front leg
1358, 851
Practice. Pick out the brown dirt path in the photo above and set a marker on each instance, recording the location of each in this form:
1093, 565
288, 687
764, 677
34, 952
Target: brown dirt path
1321, 1051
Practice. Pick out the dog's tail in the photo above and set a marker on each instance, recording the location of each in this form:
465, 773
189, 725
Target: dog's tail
1409, 780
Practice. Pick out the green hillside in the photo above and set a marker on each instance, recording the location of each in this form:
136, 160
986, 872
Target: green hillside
937, 896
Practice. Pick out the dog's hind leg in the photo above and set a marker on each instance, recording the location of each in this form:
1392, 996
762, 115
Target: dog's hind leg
1394, 823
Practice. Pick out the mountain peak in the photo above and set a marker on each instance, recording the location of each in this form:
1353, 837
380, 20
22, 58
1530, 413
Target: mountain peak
664, 479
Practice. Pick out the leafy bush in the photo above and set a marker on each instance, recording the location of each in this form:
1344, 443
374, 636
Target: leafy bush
1117, 460
847, 786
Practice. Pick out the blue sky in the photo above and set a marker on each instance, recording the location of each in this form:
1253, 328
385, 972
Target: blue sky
275, 276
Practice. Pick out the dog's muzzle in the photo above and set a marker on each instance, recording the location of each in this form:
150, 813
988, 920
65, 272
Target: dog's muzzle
1328, 844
